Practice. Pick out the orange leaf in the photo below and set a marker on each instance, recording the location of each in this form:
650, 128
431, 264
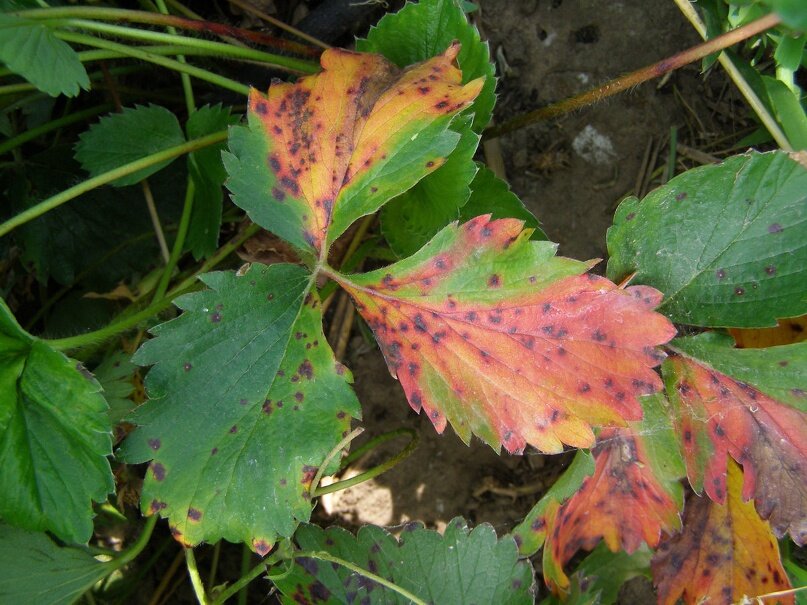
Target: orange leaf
725, 553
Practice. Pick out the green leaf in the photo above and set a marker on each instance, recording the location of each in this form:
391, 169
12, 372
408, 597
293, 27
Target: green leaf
414, 217
459, 567
246, 402
492, 195
30, 50
792, 12
120, 138
422, 30
208, 174
55, 439
34, 569
788, 111
115, 375
531, 532
725, 243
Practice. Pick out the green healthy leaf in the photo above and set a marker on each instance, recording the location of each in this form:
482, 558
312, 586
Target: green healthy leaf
493, 333
29, 49
725, 243
788, 111
792, 12
115, 375
414, 217
246, 402
491, 195
34, 569
427, 28
599, 577
207, 171
120, 138
333, 147
530, 534
459, 567
751, 405
55, 437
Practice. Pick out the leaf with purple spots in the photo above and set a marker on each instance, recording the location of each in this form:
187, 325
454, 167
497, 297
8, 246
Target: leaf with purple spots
493, 333
246, 402
55, 437
750, 405
637, 469
725, 243
725, 554
332, 147
461, 566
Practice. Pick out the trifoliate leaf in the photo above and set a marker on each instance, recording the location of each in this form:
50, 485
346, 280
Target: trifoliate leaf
28, 48
461, 566
333, 147
725, 243
750, 405
491, 332
34, 569
725, 554
54, 437
246, 402
133, 134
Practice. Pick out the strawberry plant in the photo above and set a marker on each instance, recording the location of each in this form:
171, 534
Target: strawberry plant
691, 448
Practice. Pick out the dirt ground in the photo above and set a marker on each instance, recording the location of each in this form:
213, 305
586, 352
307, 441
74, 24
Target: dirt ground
571, 173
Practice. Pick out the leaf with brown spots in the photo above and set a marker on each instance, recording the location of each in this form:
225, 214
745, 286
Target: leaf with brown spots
633, 497
461, 566
335, 146
246, 402
493, 333
725, 553
750, 405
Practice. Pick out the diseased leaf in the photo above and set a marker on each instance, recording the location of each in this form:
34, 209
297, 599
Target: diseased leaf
461, 566
748, 404
427, 28
335, 146
725, 243
726, 552
133, 134
207, 171
54, 439
787, 331
34, 569
494, 334
637, 470
29, 49
531, 532
415, 216
490, 194
247, 374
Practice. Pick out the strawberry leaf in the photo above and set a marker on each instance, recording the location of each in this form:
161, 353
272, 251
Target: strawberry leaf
54, 437
494, 334
247, 373
748, 404
335, 146
461, 566
725, 243
427, 28
636, 469
725, 553
120, 138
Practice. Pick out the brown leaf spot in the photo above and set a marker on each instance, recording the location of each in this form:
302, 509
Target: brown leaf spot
775, 228
720, 273
154, 444
157, 470
194, 514
156, 506
306, 370
494, 281
261, 546
187, 366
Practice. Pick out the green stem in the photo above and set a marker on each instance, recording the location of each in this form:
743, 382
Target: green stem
246, 556
324, 556
34, 133
135, 549
332, 454
220, 48
187, 89
635, 78
377, 470
179, 242
240, 584
129, 51
196, 579
107, 177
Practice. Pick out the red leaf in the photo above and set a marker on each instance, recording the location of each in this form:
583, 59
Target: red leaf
721, 417
496, 335
725, 553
